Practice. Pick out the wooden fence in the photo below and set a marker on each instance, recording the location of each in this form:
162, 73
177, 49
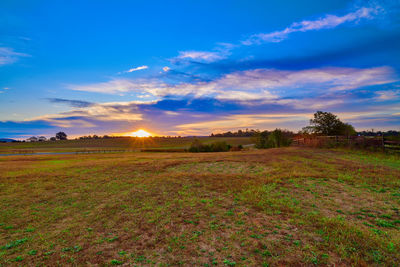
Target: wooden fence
368, 142
88, 151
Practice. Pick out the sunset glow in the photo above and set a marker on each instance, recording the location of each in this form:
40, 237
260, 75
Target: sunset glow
249, 65
140, 133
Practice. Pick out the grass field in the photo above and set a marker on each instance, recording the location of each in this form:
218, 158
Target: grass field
123, 143
287, 206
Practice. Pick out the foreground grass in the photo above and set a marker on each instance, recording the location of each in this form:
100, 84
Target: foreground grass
286, 206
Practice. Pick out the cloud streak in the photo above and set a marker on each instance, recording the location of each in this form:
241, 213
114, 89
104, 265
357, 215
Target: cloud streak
221, 51
9, 56
89, 115
137, 68
326, 22
200, 55
72, 103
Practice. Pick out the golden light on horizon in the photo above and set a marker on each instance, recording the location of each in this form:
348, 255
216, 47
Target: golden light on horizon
140, 133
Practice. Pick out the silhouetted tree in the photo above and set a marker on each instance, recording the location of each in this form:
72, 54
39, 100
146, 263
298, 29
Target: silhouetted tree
61, 136
326, 123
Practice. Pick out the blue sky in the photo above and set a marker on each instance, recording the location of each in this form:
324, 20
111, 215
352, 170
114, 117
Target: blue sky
196, 67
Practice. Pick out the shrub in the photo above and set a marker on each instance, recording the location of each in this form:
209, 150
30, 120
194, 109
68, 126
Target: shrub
236, 148
260, 139
276, 138
220, 147
197, 146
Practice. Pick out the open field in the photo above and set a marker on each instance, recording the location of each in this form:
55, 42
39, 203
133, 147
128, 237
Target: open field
123, 143
298, 206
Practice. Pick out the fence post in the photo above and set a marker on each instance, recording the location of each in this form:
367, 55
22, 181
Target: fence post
383, 143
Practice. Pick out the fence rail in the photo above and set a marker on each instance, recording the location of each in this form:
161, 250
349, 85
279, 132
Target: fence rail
351, 141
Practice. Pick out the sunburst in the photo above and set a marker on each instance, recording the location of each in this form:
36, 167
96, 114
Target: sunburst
141, 133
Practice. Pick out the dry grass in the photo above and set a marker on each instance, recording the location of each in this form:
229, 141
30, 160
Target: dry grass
285, 206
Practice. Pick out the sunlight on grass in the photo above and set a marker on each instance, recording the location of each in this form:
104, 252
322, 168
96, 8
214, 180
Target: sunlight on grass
273, 207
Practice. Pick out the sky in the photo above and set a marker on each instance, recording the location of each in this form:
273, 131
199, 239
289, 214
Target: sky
196, 67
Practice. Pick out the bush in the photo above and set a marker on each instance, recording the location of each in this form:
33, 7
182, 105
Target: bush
260, 139
276, 138
220, 147
197, 146
236, 148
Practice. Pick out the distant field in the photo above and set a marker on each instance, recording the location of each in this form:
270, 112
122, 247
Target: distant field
288, 206
125, 143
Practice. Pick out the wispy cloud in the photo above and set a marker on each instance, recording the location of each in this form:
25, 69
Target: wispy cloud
171, 113
87, 115
326, 22
117, 86
137, 68
205, 56
255, 84
388, 95
221, 51
2, 90
72, 103
9, 56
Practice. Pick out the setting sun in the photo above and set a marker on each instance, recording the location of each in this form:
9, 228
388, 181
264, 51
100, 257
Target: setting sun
140, 133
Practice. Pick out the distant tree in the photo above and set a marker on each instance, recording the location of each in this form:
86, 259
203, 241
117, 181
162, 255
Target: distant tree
42, 138
61, 136
326, 123
32, 139
53, 138
239, 133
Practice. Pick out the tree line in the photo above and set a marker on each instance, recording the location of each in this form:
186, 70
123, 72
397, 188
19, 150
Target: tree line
58, 136
322, 124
